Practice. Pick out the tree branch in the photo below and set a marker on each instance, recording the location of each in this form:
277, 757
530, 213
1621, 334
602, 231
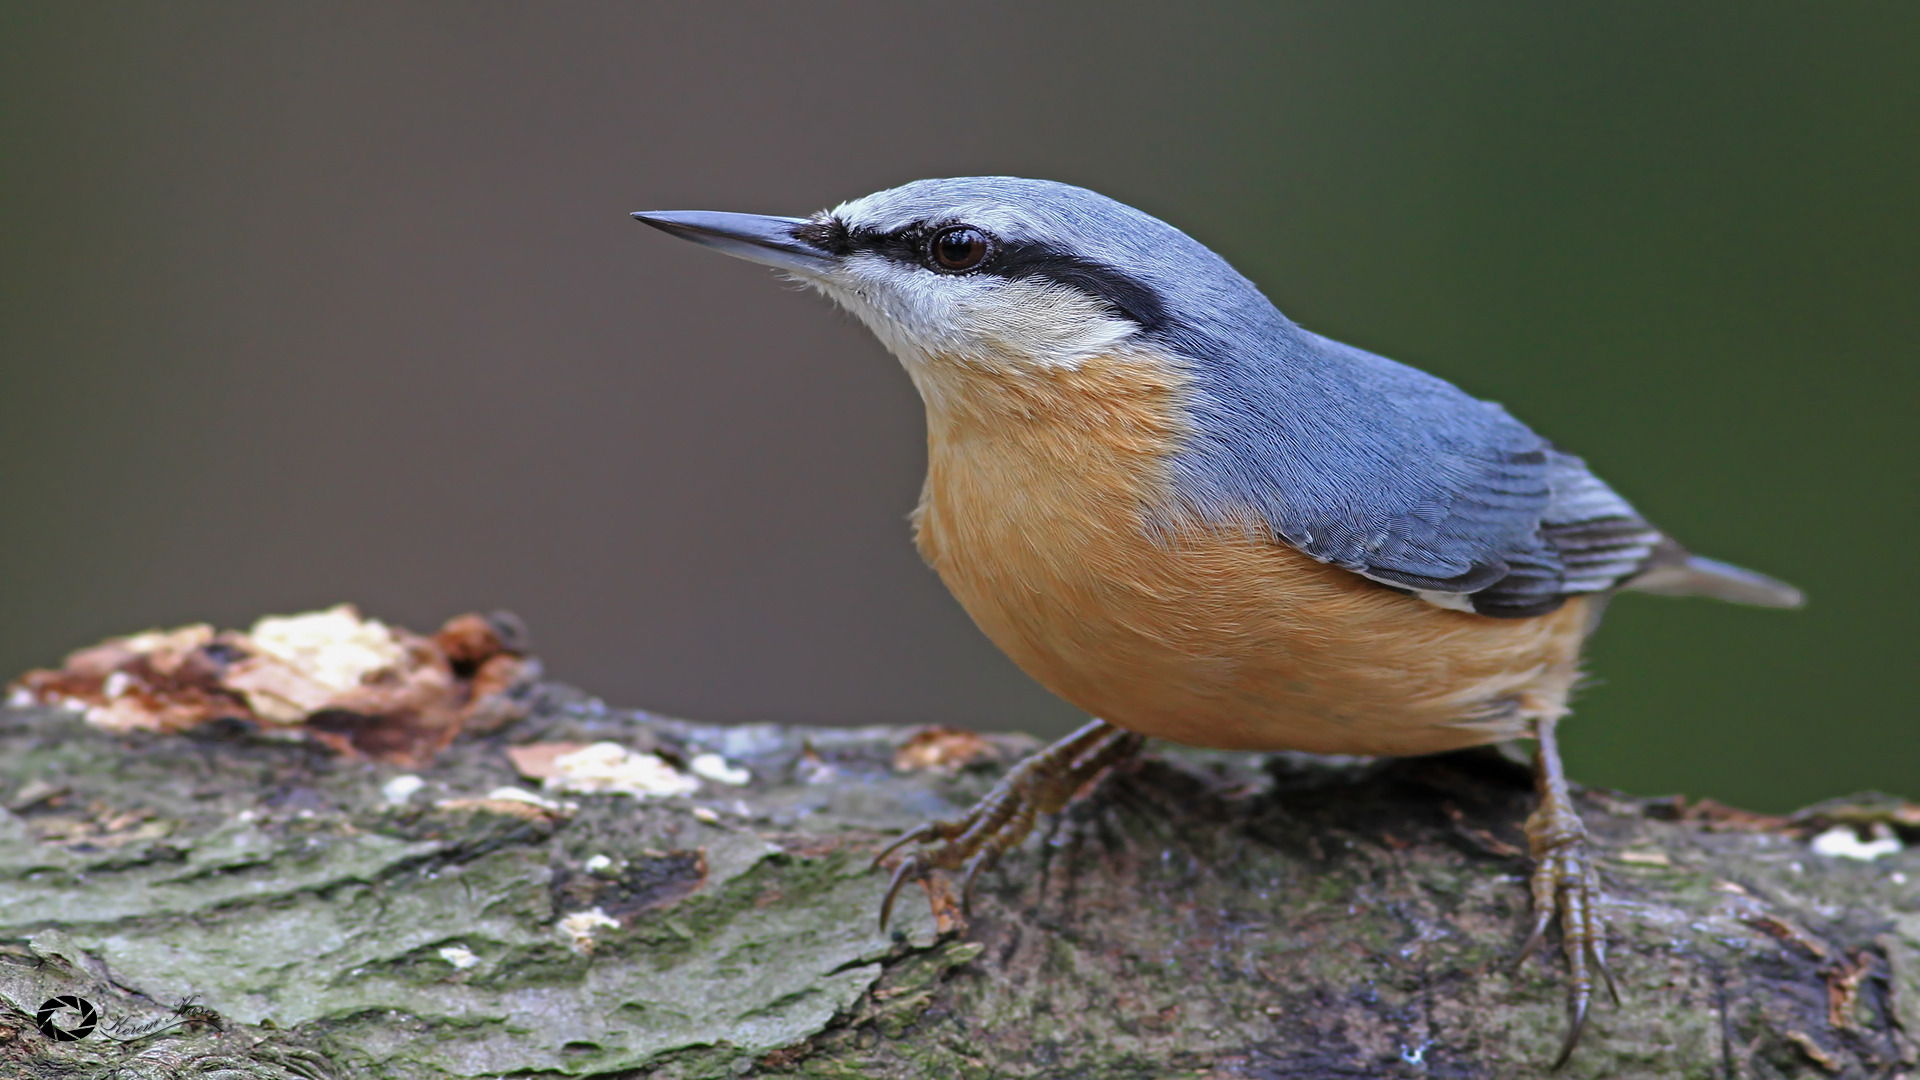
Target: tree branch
1199, 914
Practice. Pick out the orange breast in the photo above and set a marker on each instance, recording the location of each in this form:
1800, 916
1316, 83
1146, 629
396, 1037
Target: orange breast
1039, 489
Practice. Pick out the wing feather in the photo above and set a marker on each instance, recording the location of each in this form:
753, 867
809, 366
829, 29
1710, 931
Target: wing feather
1405, 479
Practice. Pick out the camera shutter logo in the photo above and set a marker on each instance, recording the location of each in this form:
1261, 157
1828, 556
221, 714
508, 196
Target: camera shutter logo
89, 1017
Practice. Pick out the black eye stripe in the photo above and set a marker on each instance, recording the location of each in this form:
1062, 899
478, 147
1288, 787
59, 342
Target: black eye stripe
827, 233
1121, 291
1012, 259
837, 238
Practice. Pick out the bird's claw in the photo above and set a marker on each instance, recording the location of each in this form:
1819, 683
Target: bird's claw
1565, 884
972, 843
999, 823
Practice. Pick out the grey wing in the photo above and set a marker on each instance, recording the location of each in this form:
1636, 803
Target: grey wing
1592, 539
1579, 537
1404, 479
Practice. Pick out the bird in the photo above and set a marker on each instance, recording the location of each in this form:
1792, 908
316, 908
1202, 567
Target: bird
1198, 521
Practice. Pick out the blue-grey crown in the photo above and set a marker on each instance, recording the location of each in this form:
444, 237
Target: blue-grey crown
1141, 266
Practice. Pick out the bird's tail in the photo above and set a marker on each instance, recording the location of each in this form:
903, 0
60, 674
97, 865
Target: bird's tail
1674, 571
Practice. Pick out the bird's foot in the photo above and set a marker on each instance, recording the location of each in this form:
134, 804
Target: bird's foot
1042, 784
1565, 884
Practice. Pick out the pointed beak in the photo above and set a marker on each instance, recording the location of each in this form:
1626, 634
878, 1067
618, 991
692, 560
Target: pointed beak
753, 237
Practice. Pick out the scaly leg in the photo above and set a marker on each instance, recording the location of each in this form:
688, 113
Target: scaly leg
1565, 884
1042, 784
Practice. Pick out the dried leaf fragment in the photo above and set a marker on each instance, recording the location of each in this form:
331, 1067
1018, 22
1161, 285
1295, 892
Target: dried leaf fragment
948, 749
355, 684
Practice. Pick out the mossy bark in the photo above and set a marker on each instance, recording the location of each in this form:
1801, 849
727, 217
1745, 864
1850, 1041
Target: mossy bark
1197, 914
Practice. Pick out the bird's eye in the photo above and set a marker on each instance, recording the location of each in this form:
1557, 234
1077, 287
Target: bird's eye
958, 249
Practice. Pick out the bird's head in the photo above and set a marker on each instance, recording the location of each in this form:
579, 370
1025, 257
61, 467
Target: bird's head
995, 273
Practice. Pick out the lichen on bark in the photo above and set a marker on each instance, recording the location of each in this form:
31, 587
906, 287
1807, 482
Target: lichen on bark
1198, 914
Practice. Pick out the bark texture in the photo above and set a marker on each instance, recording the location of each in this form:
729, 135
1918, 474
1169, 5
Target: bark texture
239, 907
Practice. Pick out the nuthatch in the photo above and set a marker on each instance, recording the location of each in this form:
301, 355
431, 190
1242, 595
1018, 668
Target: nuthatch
1200, 522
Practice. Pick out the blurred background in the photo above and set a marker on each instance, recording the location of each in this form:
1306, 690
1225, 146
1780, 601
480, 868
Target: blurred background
307, 303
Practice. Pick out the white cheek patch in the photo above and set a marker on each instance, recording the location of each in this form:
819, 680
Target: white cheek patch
1055, 325
994, 322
